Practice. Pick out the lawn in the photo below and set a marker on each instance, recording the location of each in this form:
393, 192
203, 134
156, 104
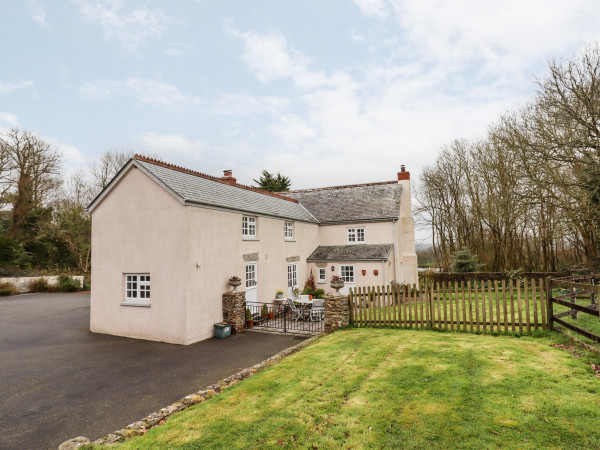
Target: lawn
401, 388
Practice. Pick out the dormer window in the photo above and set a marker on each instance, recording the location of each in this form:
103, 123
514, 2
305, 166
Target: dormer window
288, 231
249, 227
356, 235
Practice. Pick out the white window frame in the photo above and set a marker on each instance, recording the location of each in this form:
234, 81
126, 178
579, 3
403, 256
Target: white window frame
249, 227
288, 230
137, 289
347, 279
292, 274
356, 235
322, 279
251, 269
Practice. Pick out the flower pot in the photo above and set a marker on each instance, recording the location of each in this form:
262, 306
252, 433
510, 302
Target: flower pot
364, 272
337, 285
234, 284
249, 323
376, 272
270, 316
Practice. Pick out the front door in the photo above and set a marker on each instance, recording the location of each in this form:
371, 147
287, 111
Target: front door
292, 277
347, 274
251, 282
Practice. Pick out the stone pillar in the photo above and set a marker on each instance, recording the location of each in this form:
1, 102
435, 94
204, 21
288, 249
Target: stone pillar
337, 312
234, 310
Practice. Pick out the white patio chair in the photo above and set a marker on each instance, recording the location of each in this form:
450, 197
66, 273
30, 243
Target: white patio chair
297, 313
317, 312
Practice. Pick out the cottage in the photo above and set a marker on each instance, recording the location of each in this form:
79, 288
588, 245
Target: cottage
166, 239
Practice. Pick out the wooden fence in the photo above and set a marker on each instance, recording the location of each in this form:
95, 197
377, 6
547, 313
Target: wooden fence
492, 306
578, 294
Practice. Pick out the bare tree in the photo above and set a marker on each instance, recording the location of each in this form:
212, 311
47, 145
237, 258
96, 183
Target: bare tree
107, 166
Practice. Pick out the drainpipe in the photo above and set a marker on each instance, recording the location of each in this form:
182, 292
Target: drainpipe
394, 232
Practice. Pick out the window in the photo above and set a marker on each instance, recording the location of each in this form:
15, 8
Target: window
347, 274
137, 288
356, 235
292, 275
248, 227
250, 275
288, 230
322, 275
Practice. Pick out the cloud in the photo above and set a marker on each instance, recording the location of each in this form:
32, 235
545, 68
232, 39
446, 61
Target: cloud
37, 13
8, 120
168, 144
6, 88
149, 92
243, 104
372, 8
131, 29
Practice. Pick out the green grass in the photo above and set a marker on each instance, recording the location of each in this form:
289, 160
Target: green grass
383, 388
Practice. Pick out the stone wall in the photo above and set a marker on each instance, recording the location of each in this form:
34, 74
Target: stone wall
337, 312
22, 283
234, 310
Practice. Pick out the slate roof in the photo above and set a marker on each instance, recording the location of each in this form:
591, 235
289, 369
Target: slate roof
361, 252
206, 190
366, 202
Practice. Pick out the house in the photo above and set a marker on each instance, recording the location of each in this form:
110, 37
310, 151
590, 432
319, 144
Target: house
166, 240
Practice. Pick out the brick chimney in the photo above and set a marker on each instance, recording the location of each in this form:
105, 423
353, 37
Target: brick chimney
228, 177
403, 174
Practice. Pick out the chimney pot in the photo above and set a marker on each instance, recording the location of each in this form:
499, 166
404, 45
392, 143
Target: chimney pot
227, 173
402, 168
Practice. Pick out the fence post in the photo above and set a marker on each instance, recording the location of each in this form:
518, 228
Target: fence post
351, 306
430, 306
549, 308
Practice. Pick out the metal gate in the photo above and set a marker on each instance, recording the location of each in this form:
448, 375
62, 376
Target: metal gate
282, 318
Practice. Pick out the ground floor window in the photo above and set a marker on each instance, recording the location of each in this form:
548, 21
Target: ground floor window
322, 275
251, 275
137, 287
347, 274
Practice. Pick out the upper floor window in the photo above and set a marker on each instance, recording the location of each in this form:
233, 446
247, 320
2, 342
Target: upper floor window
356, 235
248, 226
288, 230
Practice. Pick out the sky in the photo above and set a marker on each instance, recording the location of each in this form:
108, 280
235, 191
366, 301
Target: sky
325, 92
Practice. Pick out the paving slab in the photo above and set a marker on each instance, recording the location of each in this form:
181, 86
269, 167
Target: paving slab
58, 380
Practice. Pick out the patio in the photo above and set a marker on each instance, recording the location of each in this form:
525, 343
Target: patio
300, 317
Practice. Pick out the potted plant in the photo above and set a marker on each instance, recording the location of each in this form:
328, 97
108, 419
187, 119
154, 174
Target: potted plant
296, 293
234, 282
249, 319
264, 310
279, 293
336, 283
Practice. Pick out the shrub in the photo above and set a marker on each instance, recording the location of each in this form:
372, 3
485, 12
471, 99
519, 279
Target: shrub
39, 285
68, 284
319, 293
310, 283
464, 261
308, 291
7, 289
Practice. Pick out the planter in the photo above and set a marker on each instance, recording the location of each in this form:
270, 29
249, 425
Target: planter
270, 316
279, 295
234, 284
249, 323
376, 272
364, 272
337, 285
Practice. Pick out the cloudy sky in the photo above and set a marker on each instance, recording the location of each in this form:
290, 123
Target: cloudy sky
323, 91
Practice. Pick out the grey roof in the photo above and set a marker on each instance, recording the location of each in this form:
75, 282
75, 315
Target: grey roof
377, 201
364, 252
200, 190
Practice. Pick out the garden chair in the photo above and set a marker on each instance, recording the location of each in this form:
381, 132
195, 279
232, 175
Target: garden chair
317, 312
297, 313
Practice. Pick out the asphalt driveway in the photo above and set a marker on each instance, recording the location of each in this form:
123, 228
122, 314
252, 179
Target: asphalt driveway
58, 380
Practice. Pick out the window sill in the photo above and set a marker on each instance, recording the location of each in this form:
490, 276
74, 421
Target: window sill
290, 240
138, 304
248, 238
357, 243
321, 282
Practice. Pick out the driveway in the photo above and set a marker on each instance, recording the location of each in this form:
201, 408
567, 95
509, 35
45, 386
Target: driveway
58, 380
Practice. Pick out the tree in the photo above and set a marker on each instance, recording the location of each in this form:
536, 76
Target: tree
31, 174
464, 261
106, 167
271, 183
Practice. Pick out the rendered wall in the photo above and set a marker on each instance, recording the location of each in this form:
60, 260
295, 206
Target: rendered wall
216, 252
139, 228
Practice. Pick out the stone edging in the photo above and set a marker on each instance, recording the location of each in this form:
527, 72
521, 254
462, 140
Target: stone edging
158, 417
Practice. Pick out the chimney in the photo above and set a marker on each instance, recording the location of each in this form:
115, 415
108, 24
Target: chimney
228, 177
403, 174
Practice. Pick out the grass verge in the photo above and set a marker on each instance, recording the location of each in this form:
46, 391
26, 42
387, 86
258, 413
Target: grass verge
396, 388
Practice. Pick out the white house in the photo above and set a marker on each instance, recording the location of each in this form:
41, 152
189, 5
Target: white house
166, 239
